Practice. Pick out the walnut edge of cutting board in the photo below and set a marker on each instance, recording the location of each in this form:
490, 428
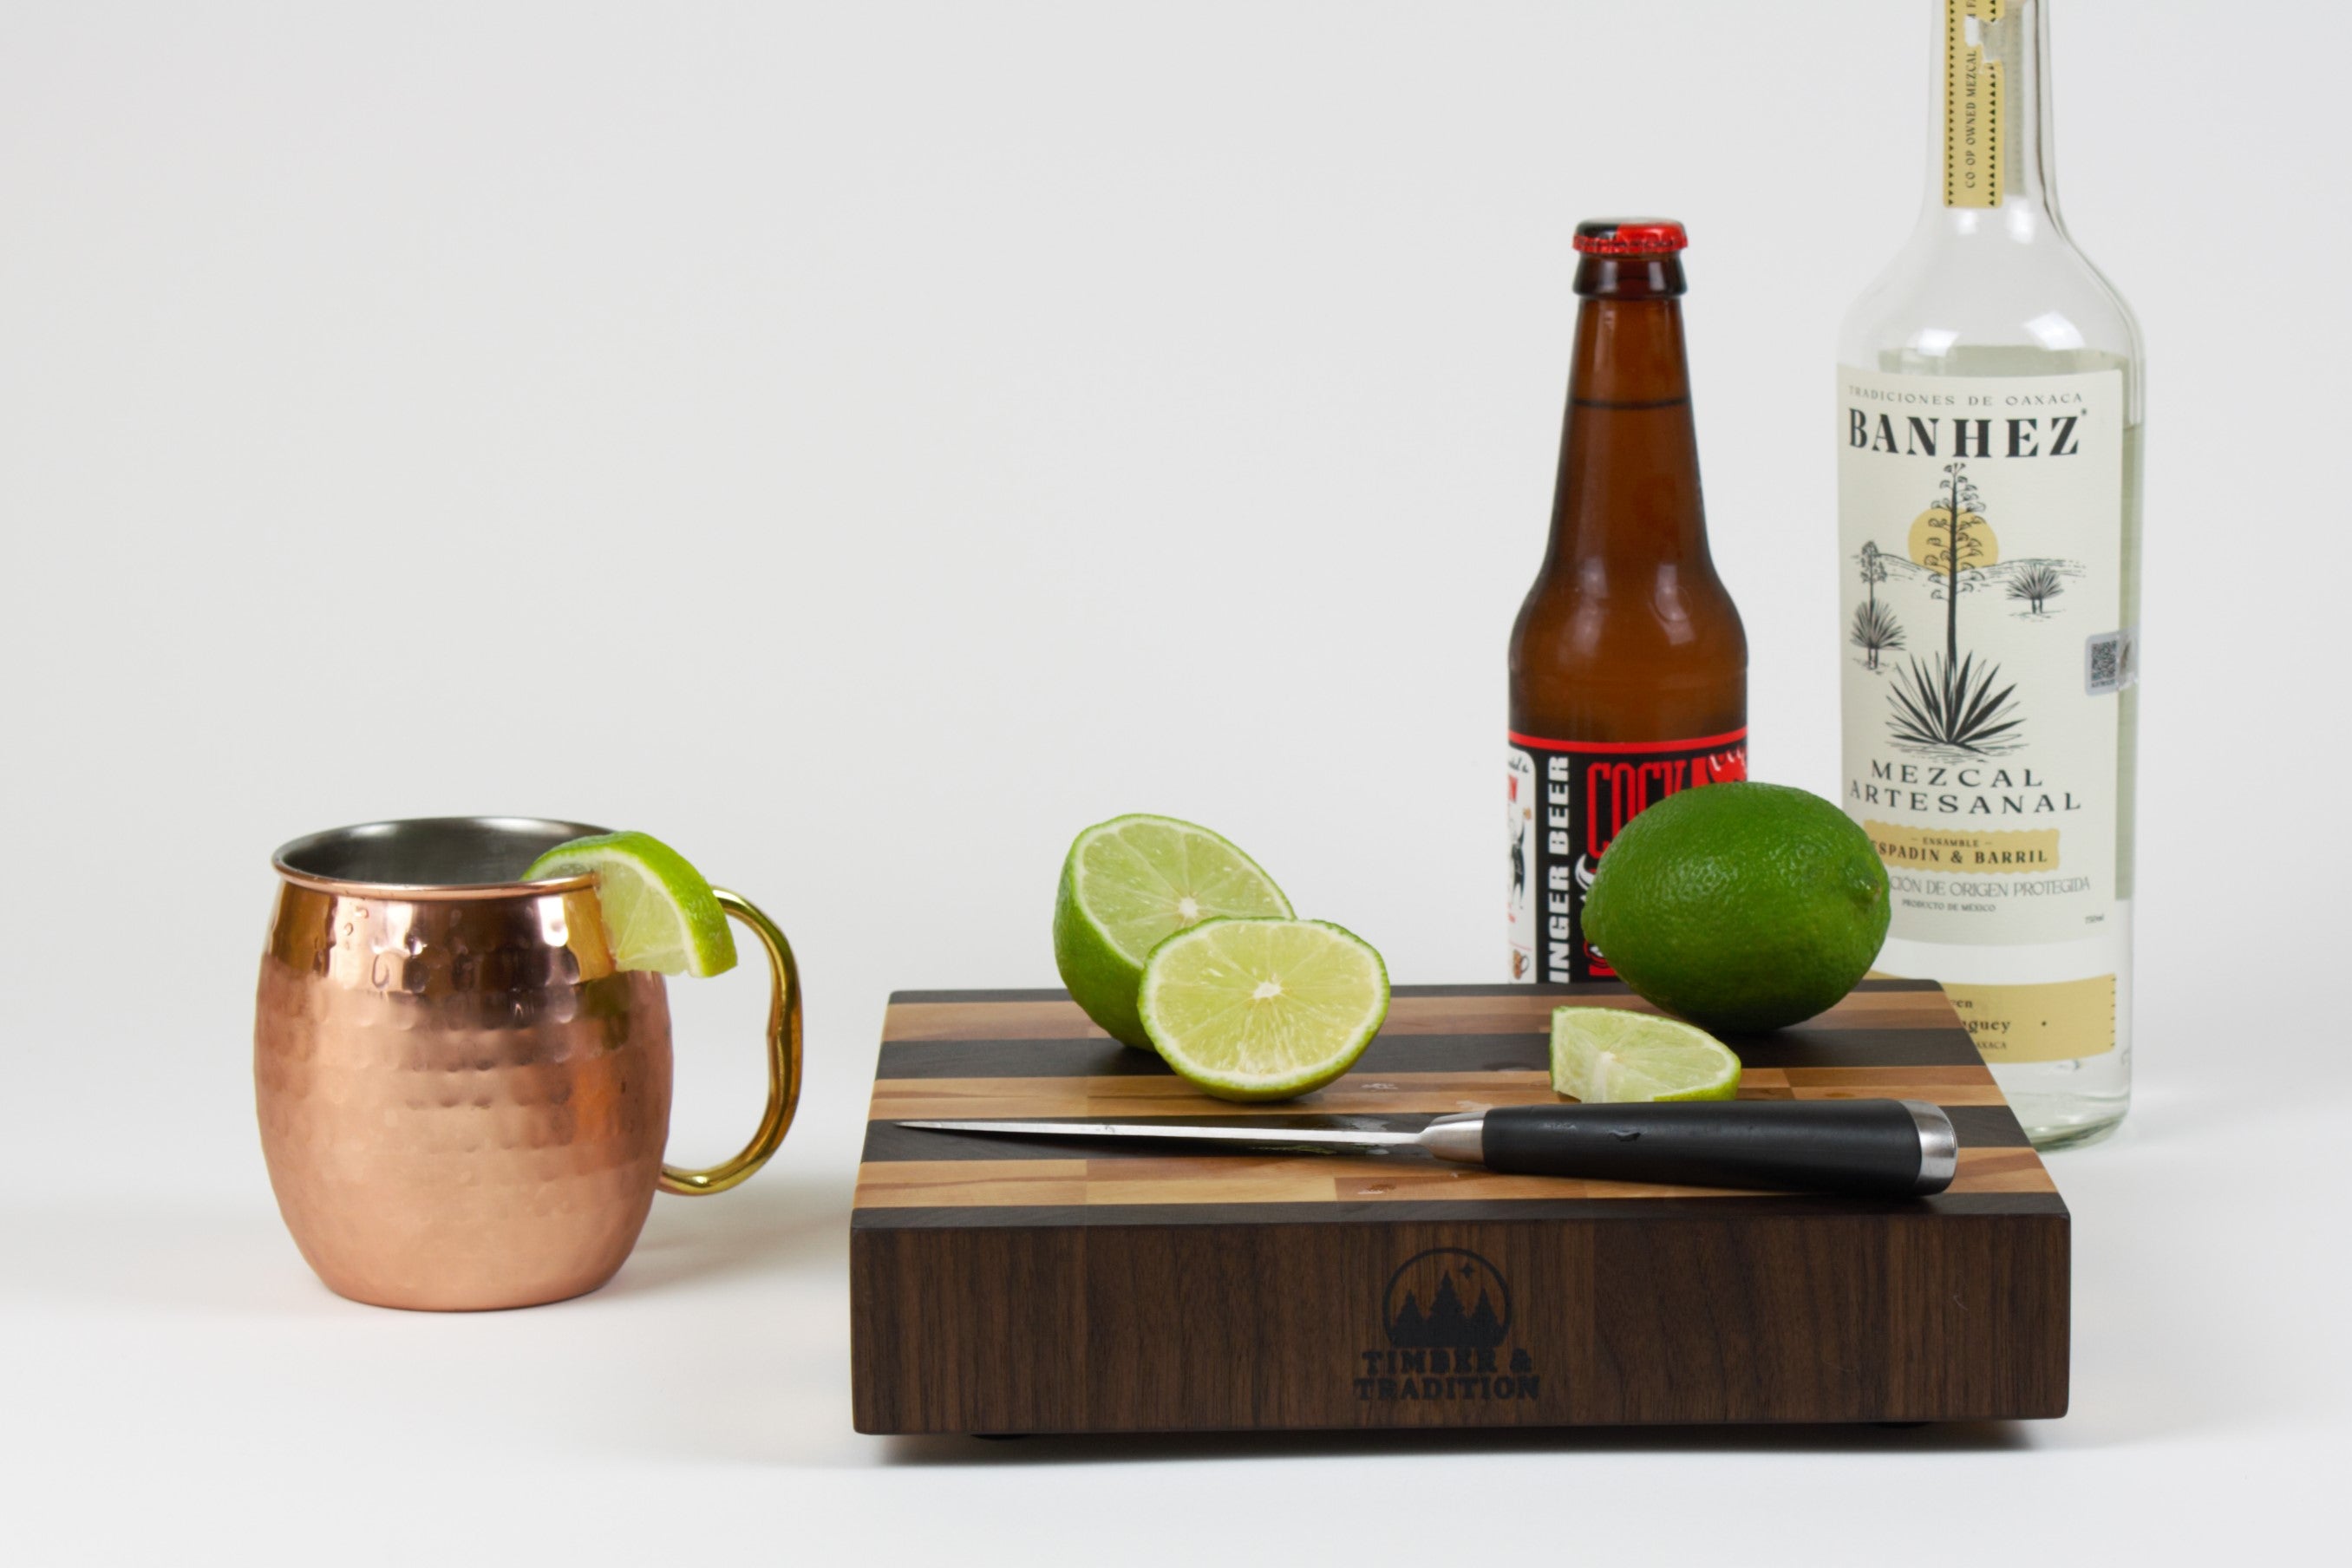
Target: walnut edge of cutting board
1000, 1286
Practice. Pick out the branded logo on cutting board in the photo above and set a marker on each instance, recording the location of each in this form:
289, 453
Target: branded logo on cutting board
1446, 1314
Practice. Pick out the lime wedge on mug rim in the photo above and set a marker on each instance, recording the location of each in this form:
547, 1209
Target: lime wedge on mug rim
659, 912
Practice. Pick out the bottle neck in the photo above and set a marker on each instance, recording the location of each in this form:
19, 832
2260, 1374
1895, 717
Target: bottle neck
1628, 496
1989, 164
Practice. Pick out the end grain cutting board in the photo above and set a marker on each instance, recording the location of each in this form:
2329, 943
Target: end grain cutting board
1003, 1285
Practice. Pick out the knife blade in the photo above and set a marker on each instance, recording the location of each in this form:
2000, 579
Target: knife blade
1855, 1148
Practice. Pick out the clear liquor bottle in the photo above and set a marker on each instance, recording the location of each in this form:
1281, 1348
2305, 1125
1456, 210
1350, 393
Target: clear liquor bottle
1989, 411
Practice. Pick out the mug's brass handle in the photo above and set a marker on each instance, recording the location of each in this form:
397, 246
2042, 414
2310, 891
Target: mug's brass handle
784, 1059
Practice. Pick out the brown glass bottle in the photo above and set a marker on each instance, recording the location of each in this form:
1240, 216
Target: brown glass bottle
1629, 669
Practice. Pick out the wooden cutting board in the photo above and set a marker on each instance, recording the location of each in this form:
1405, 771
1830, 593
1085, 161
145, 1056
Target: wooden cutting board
1006, 1286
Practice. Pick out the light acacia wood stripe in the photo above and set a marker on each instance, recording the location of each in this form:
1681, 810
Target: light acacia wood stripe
1017, 1099
1528, 1013
1013, 1099
2002, 1170
1300, 1178
1015, 1184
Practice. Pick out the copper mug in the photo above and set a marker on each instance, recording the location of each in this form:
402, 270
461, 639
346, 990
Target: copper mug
463, 1102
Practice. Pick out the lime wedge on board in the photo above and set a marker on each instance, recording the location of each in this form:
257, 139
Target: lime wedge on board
1605, 1056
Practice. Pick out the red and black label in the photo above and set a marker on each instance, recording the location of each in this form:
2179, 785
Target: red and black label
1569, 799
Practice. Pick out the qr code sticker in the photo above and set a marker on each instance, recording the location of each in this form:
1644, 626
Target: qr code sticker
2110, 662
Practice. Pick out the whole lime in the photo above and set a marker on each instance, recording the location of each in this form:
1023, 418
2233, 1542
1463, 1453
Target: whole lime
1742, 906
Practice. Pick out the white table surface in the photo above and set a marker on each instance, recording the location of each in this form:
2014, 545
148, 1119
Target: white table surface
176, 1380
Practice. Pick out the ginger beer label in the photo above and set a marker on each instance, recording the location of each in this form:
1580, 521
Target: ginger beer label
1567, 800
1980, 530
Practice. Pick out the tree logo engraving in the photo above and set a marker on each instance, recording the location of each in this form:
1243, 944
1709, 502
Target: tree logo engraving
1446, 1316
1447, 1297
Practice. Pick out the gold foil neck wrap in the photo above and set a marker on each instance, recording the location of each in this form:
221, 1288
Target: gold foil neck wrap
1973, 108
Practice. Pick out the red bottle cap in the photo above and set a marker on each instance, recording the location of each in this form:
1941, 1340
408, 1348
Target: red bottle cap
1630, 236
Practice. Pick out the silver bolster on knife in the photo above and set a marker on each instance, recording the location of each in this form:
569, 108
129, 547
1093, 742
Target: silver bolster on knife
1939, 1146
1461, 1136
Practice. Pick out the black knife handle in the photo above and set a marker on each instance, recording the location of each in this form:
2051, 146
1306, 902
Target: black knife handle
1857, 1148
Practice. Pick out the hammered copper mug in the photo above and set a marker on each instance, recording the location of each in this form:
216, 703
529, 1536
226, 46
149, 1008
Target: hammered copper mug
463, 1103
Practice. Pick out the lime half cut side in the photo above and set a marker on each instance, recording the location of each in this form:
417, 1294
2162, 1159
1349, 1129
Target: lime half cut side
1262, 1009
659, 912
1127, 885
1606, 1056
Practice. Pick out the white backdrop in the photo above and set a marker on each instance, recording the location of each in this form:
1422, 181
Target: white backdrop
864, 443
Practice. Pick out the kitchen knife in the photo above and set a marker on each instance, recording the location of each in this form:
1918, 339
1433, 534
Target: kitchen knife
1857, 1148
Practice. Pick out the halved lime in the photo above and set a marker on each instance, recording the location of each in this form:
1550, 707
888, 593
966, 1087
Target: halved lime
1128, 884
658, 911
1610, 1056
1262, 1009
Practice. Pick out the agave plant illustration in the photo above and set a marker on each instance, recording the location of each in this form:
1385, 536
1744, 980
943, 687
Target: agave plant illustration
1953, 545
1875, 629
1954, 706
2036, 584
1954, 703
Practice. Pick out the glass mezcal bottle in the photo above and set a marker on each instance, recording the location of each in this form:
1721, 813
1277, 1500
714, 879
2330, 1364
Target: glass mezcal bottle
1989, 387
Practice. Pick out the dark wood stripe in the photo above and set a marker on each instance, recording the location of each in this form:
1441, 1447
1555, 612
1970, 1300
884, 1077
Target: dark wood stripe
1016, 1058
1384, 1217
1825, 1046
1987, 1127
891, 1141
1804, 1046
1612, 988
1978, 1127
1594, 988
963, 997
1588, 988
